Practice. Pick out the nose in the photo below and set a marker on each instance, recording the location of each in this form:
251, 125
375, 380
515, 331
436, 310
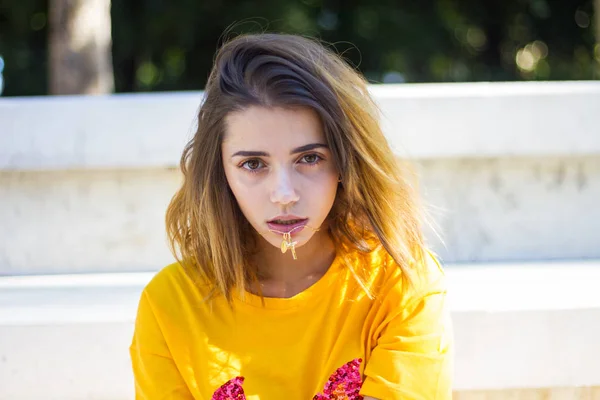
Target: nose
283, 192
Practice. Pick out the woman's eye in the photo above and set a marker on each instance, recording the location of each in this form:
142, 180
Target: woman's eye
311, 159
252, 164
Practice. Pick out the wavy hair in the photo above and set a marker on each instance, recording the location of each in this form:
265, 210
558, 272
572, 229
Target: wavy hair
376, 204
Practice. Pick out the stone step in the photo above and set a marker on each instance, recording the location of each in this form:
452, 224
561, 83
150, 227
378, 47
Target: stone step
517, 326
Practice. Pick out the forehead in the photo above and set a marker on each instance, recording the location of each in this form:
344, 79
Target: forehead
273, 127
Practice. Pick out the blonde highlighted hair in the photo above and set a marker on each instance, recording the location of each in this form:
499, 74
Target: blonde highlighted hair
376, 205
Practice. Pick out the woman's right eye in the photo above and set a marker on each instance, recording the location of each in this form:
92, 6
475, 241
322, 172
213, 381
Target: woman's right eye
252, 165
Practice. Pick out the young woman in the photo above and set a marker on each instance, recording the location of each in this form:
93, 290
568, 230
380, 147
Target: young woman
302, 272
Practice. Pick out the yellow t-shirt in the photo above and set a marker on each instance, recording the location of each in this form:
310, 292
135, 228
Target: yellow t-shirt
328, 339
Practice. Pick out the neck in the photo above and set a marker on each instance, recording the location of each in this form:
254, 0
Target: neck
282, 276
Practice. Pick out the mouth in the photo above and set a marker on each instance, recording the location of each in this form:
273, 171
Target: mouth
284, 224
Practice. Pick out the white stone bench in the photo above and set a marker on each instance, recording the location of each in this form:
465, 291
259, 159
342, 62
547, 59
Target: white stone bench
516, 325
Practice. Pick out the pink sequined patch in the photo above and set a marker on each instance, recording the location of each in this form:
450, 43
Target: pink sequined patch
232, 390
344, 384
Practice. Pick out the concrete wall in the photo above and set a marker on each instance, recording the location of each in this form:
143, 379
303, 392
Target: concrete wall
71, 221
486, 209
514, 208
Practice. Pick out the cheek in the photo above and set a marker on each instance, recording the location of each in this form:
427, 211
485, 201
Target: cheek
234, 186
322, 191
247, 196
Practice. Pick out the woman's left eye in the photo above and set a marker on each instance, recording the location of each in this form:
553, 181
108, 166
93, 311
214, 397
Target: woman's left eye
312, 159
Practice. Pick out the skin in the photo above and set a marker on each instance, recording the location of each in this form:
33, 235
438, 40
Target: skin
280, 182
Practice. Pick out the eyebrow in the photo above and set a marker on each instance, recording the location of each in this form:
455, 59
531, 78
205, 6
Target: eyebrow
300, 149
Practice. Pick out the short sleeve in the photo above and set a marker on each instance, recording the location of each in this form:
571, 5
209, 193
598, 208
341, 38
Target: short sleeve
412, 358
155, 373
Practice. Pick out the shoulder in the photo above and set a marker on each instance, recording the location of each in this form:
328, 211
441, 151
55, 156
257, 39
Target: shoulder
393, 285
173, 284
168, 277
430, 277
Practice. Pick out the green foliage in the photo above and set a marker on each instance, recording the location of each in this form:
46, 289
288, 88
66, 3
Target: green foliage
23, 46
161, 45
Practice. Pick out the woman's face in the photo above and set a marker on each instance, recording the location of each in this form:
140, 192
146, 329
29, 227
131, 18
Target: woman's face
279, 166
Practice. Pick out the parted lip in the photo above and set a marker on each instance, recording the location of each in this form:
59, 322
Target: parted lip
286, 217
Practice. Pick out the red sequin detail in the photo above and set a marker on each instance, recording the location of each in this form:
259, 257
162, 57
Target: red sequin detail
344, 384
232, 390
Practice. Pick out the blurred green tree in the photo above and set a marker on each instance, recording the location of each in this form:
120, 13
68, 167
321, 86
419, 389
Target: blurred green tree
169, 45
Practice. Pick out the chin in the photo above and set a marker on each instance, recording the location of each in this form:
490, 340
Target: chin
300, 239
